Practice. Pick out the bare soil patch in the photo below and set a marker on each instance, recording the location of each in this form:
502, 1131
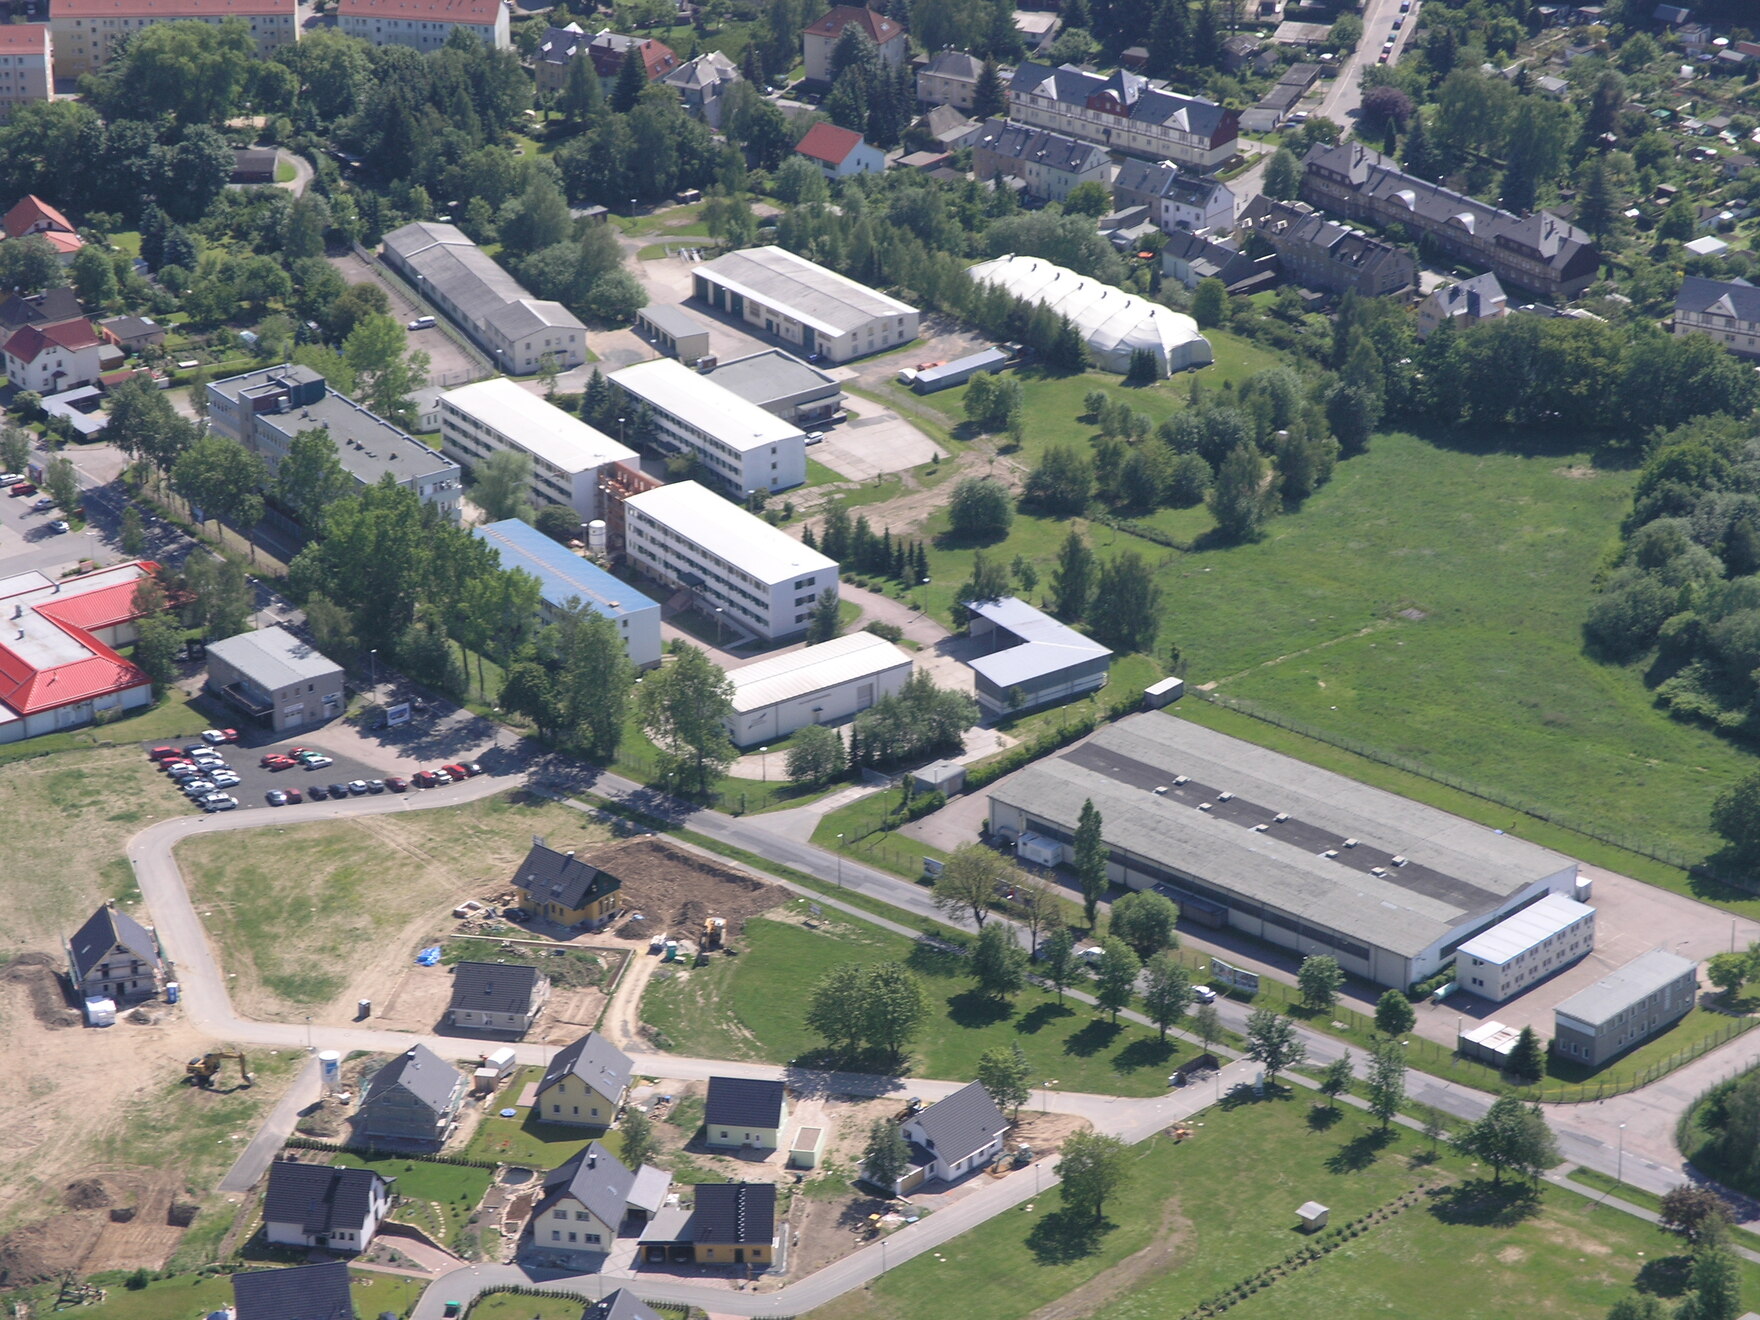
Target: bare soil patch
828, 1228
675, 888
117, 1220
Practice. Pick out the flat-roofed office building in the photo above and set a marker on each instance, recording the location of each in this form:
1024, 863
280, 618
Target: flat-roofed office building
568, 456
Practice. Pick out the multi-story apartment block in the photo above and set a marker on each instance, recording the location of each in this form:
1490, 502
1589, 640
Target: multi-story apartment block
1318, 253
1047, 164
424, 24
26, 65
568, 456
1124, 113
740, 448
85, 31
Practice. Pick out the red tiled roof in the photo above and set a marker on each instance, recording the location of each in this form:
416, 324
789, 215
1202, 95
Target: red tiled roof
104, 608
432, 11
881, 28
29, 690
170, 9
658, 58
30, 211
29, 342
828, 143
24, 39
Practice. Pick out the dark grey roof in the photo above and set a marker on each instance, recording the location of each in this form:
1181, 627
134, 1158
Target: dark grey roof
1040, 146
1146, 103
126, 328
1736, 299
304, 1292
593, 1059
422, 1073
319, 1197
737, 1213
1474, 298
621, 1305
45, 308
494, 987
560, 45
770, 375
596, 1178
108, 929
955, 64
1165, 179
751, 1102
561, 877
707, 70
1297, 225
966, 1121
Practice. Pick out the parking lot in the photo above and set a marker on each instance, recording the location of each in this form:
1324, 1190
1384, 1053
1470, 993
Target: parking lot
255, 782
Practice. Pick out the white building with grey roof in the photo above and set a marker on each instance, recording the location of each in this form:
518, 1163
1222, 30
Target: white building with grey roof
568, 457
1524, 947
1176, 199
816, 685
1263, 844
740, 448
1031, 659
1625, 1008
1124, 112
1047, 165
277, 678
803, 303
1727, 310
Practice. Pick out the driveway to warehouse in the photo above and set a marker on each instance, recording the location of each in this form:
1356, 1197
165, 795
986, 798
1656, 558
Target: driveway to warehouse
449, 362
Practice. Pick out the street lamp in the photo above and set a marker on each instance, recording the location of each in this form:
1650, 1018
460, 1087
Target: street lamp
309, 1034
840, 861
1620, 1175
373, 660
620, 439
719, 638
764, 762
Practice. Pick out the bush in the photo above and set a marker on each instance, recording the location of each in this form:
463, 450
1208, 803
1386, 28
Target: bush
880, 628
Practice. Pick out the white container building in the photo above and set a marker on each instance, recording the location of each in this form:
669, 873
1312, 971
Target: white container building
1524, 947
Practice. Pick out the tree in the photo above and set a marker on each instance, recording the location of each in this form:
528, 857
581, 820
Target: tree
1638, 1306
1511, 1136
1716, 1281
1072, 583
502, 482
559, 522
684, 708
1061, 967
581, 94
222, 478
61, 482
1126, 610
886, 1156
1335, 1079
94, 277
1090, 199
1735, 815
980, 509
1241, 496
1394, 1015
1036, 903
639, 1145
1167, 990
989, 98
1318, 980
816, 755
15, 444
971, 879
1283, 180
1062, 483
825, 621
632, 81
1093, 1169
1596, 208
1115, 975
1387, 1079
1272, 1041
220, 595
1146, 921
311, 478
896, 1008
593, 674
1004, 1073
1090, 860
385, 373
836, 1008
1728, 971
998, 962
1207, 1024
1691, 1209
134, 533
1527, 1061
1210, 302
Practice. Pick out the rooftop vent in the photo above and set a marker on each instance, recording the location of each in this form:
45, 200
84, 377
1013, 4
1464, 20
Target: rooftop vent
1399, 861
1224, 797
1330, 852
1203, 806
1160, 789
1280, 817
1260, 828
1181, 779
1350, 843
1378, 871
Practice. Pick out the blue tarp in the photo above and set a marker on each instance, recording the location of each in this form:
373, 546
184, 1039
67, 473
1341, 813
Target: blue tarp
429, 956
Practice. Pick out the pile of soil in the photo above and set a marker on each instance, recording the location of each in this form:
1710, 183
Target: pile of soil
86, 1194
46, 1250
40, 976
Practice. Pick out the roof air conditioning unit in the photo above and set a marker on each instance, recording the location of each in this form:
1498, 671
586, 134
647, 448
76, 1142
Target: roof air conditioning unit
1330, 852
1399, 861
1181, 779
1378, 870
1160, 789
1260, 828
1203, 806
1224, 797
1350, 843
1280, 817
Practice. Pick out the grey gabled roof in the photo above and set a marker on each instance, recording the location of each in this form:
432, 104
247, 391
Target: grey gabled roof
1040, 146
1166, 180
422, 1073
706, 70
494, 987
1733, 298
106, 929
963, 1123
318, 1197
955, 64
274, 658
1642, 977
550, 876
472, 280
593, 1059
596, 1178
740, 1212
304, 1292
751, 1102
1146, 103
621, 1305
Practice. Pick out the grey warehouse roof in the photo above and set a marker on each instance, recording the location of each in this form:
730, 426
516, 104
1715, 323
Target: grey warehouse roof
771, 375
1047, 646
1620, 989
674, 320
472, 281
821, 298
274, 658
1454, 873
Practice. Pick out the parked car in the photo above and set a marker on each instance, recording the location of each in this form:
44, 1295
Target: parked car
315, 792
225, 779
182, 770
337, 791
60, 525
7, 478
421, 323
1203, 994
441, 776
358, 787
375, 785
197, 788
276, 761
221, 802
397, 784
456, 771
160, 753
275, 798
315, 761
815, 437
293, 796
41, 504
472, 767
219, 735
423, 779
23, 488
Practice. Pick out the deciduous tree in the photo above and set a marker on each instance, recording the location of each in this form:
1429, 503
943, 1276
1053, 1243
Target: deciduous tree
998, 961
886, 1156
1059, 963
1387, 1079
1335, 1079
1115, 975
1146, 921
816, 755
1003, 1072
684, 708
1272, 1041
503, 483
972, 878
1094, 1169
1394, 1015
1511, 1136
1167, 990
1318, 980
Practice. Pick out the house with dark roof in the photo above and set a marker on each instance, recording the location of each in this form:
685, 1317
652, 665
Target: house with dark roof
951, 129
1727, 310
414, 1098
1047, 164
840, 152
114, 957
50, 307
747, 1112
1177, 199
584, 1084
1322, 254
702, 85
1193, 258
1465, 302
303, 1292
252, 165
734, 1224
587, 1202
499, 997
132, 333
321, 1205
567, 890
620, 1305
820, 39
1124, 112
951, 78
953, 1137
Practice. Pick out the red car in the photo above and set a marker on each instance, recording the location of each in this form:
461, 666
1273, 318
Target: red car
24, 488
276, 761
458, 772
424, 779
162, 753
396, 783
293, 796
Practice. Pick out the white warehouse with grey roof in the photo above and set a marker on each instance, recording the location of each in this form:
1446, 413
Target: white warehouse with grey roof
803, 303
1245, 838
816, 685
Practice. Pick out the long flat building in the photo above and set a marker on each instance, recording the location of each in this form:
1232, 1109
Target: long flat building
755, 579
568, 456
424, 24
564, 576
86, 31
815, 685
27, 57
1272, 847
740, 447
803, 303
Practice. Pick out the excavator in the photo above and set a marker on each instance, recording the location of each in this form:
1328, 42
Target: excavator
204, 1068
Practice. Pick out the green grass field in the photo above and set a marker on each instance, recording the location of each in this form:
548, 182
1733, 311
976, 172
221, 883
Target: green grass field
192, 1295
446, 1193
524, 1140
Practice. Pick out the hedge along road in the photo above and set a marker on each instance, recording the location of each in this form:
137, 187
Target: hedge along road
208, 1005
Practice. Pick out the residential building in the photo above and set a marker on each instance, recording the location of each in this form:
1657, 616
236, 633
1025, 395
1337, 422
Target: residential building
620, 1304
1047, 164
781, 383
114, 957
820, 39
585, 1083
951, 78
953, 1137
1537, 252
736, 567
587, 1202
52, 358
734, 1224
1113, 324
1524, 947
267, 409
674, 331
276, 677
1727, 310
1193, 258
1124, 112
819, 685
50, 307
804, 303
1031, 659
1625, 1008
1465, 302
132, 334
497, 997
85, 32
414, 1098
566, 890
254, 165
300, 1292
31, 215
745, 1112
840, 152
59, 666
424, 24
738, 446
556, 55
517, 330
702, 85
1272, 848
1238, 51
1322, 254
1177, 199
26, 65
1269, 112
950, 128
608, 50
565, 577
568, 457
322, 1205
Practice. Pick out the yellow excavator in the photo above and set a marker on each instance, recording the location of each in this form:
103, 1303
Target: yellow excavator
204, 1068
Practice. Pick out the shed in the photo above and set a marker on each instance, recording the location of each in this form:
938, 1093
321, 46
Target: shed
674, 331
1489, 1042
959, 371
1164, 693
807, 1148
947, 777
1313, 1216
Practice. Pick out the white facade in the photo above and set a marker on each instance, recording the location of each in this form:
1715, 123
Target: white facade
803, 303
26, 55
819, 685
567, 455
755, 578
741, 448
1523, 948
819, 41
424, 24
58, 358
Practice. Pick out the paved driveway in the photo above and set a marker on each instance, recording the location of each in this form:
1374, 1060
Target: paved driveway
449, 362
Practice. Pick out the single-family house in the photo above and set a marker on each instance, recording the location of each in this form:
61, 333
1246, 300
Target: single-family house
702, 85
51, 358
1465, 302
745, 1112
114, 957
322, 1205
301, 1292
254, 165
584, 1084
498, 997
1193, 258
587, 1202
734, 1224
414, 1098
620, 1305
567, 890
1049, 165
840, 152
608, 50
1238, 51
49, 307
820, 39
1727, 310
950, 78
951, 129
32, 215
953, 1137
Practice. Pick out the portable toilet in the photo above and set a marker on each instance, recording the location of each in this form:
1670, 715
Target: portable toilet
100, 1012
329, 1068
173, 992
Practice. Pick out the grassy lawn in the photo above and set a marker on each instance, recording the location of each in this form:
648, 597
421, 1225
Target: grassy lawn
751, 1007
192, 1295
445, 1193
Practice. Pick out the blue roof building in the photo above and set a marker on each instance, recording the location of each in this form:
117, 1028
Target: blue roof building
564, 576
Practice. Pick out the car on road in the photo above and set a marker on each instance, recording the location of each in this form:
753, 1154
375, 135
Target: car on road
60, 525
397, 784
337, 791
375, 785
41, 504
276, 761
275, 798
1203, 994
219, 735
358, 787
221, 802
315, 761
293, 796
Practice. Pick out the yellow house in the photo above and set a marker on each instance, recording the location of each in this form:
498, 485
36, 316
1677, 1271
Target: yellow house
561, 888
584, 1084
734, 1224
748, 1112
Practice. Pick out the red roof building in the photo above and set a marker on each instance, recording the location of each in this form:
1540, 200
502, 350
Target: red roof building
840, 152
48, 358
32, 215
820, 39
609, 50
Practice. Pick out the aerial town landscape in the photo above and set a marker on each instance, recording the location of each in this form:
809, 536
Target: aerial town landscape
689, 659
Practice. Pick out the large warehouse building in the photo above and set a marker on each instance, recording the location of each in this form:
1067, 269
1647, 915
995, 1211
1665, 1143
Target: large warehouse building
816, 685
739, 446
1113, 323
1264, 844
804, 303
568, 456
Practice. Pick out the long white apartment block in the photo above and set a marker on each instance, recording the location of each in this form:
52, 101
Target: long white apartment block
567, 455
741, 447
